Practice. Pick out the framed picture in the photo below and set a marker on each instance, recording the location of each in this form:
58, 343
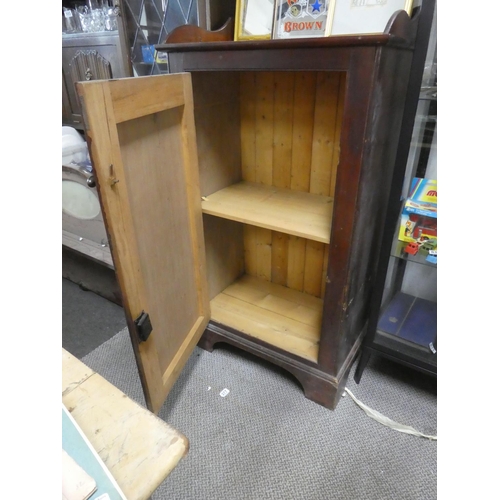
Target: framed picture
354, 17
254, 19
300, 18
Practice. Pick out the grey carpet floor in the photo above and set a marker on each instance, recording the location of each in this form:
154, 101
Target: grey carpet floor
87, 319
265, 440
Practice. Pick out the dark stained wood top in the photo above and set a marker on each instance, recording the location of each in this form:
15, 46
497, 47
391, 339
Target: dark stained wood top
399, 33
333, 41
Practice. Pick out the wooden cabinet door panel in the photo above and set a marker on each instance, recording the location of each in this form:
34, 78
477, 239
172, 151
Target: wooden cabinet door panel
143, 148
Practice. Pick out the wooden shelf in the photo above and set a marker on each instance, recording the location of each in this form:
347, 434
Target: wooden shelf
292, 212
277, 315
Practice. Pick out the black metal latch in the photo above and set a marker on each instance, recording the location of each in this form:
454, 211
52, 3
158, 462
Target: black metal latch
143, 326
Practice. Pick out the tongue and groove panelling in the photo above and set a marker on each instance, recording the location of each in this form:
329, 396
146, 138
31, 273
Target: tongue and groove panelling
290, 136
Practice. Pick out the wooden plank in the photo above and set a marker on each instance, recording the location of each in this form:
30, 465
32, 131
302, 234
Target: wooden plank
259, 324
257, 243
338, 128
296, 213
276, 329
324, 132
133, 99
251, 285
139, 449
282, 163
162, 135
224, 252
325, 270
279, 258
147, 172
287, 309
247, 125
264, 119
106, 161
281, 307
74, 372
313, 268
282, 129
296, 262
303, 126
264, 112
88, 248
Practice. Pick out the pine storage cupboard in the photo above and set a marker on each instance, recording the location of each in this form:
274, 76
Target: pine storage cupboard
243, 196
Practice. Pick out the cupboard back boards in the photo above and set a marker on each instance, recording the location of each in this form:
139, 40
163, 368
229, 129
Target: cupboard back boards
243, 195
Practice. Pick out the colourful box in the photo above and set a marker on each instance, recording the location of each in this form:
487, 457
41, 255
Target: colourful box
150, 55
419, 217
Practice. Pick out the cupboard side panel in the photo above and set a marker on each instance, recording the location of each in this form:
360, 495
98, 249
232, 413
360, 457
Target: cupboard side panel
338, 128
339, 113
383, 132
224, 253
217, 120
325, 270
334, 331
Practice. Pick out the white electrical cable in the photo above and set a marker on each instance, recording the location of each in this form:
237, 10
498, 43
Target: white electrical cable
387, 421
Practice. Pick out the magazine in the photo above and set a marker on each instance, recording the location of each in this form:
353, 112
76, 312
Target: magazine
84, 474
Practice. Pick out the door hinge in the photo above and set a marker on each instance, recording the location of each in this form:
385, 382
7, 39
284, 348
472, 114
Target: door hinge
143, 326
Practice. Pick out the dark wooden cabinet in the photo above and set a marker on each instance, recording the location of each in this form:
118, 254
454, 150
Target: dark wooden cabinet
244, 197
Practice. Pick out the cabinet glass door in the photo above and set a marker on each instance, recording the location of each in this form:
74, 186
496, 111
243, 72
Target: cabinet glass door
408, 319
406, 327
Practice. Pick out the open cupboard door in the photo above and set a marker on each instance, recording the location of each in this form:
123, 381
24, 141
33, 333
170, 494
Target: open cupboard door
143, 147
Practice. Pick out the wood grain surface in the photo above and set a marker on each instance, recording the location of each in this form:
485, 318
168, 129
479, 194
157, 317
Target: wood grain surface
139, 449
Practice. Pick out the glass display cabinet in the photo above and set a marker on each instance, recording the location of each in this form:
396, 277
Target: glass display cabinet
403, 321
